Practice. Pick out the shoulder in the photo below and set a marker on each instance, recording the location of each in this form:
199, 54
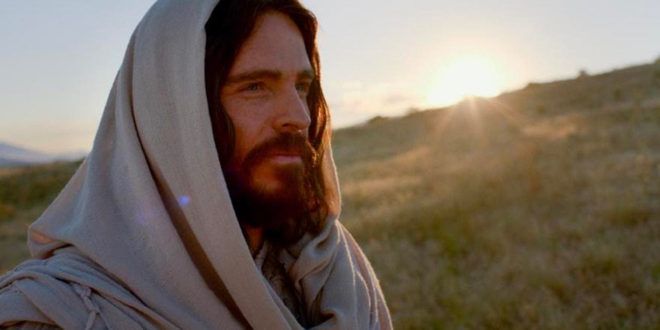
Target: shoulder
17, 312
379, 313
40, 293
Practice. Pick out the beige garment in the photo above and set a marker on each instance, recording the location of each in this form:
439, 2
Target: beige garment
144, 235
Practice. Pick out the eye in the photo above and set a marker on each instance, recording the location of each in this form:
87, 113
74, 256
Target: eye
254, 87
303, 87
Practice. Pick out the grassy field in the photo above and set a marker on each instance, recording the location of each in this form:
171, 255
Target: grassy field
539, 208
536, 209
24, 194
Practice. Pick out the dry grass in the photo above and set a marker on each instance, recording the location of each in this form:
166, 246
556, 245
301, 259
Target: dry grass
24, 194
9, 171
13, 237
491, 215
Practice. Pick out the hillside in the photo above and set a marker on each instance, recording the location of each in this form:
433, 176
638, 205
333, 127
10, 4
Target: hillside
11, 155
24, 193
535, 209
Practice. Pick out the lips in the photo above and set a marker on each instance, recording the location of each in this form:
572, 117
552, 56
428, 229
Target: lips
285, 158
284, 153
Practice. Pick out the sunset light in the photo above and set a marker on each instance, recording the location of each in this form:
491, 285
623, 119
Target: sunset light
465, 76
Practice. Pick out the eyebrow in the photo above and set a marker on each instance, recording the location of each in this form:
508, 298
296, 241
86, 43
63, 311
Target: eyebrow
266, 74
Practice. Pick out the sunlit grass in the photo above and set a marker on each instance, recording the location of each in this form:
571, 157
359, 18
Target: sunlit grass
504, 216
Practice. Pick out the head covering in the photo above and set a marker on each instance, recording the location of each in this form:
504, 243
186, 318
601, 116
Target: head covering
144, 234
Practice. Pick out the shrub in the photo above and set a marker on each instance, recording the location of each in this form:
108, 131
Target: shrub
377, 119
583, 74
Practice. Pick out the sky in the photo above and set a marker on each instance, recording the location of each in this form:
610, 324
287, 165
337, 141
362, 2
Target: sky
59, 58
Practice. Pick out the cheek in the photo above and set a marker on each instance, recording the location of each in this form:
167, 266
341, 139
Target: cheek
242, 145
250, 126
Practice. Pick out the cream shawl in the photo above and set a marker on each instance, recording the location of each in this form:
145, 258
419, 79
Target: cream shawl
144, 234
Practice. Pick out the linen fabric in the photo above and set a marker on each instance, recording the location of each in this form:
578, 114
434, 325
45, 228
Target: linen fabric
144, 234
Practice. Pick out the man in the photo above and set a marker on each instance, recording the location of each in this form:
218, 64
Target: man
209, 199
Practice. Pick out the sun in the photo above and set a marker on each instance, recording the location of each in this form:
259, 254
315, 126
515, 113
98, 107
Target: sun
465, 76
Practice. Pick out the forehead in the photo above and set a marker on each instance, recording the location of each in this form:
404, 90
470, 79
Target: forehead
275, 44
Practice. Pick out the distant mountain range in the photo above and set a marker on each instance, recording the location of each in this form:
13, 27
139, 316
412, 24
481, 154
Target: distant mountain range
11, 155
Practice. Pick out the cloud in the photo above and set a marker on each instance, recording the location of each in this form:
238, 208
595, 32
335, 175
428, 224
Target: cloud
352, 102
398, 99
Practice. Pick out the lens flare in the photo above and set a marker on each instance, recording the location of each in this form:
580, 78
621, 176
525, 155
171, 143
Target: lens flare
463, 77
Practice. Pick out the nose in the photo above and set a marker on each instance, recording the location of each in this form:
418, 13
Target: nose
293, 115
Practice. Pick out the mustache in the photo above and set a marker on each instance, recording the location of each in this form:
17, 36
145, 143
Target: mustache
286, 144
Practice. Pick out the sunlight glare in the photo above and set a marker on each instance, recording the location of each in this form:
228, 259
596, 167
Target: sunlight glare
463, 77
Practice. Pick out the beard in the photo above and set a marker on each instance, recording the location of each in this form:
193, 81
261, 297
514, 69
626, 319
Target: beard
296, 206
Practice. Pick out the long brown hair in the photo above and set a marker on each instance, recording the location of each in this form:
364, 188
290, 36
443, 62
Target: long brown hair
229, 26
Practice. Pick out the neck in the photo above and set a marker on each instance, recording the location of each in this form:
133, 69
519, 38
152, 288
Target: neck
254, 237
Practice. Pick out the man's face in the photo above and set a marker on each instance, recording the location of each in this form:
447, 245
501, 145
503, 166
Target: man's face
265, 96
